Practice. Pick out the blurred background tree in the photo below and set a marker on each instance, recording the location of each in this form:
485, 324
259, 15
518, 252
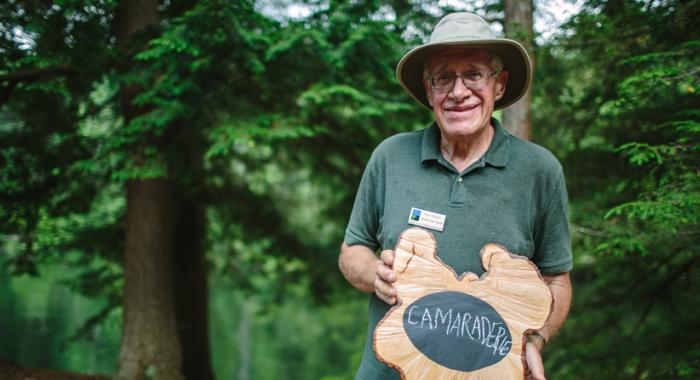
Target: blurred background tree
249, 124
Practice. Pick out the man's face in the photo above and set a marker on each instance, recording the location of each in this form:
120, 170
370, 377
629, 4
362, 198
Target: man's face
463, 112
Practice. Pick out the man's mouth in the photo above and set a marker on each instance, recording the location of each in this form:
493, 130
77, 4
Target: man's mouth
463, 108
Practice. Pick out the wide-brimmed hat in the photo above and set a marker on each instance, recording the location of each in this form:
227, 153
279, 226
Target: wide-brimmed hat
467, 30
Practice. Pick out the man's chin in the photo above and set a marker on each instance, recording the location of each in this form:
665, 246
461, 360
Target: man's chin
463, 128
461, 124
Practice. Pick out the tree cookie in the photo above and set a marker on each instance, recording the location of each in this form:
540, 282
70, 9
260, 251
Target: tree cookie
445, 326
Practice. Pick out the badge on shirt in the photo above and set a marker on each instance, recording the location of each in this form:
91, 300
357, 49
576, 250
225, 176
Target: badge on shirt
426, 219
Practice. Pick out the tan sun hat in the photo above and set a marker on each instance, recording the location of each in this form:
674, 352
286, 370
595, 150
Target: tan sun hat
462, 30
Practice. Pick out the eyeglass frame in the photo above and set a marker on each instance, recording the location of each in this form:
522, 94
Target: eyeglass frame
488, 75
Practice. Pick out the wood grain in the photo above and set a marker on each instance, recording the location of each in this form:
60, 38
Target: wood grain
511, 285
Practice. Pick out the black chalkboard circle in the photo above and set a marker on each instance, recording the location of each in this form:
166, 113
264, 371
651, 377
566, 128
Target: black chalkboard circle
457, 331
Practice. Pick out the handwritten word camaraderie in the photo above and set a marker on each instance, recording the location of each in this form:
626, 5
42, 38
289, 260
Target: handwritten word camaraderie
479, 328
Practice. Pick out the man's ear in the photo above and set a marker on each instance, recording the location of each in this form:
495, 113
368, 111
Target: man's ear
501, 84
428, 92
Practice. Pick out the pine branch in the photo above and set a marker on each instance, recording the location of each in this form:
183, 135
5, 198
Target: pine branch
589, 231
28, 76
670, 279
34, 74
92, 322
681, 76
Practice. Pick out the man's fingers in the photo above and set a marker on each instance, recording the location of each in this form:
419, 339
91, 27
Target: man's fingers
385, 277
385, 292
385, 273
387, 300
384, 287
533, 356
387, 256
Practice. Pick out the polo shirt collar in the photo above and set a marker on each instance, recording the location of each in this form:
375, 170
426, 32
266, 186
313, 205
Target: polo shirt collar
498, 152
496, 155
430, 146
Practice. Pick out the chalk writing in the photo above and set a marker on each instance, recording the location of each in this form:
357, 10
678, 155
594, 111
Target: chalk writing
457, 330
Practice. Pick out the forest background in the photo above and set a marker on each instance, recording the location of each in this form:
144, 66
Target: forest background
175, 180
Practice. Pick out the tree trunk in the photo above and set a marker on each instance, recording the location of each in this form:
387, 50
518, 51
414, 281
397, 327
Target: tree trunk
517, 117
189, 267
149, 338
149, 345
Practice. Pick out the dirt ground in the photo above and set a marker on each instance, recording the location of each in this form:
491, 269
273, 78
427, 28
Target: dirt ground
12, 371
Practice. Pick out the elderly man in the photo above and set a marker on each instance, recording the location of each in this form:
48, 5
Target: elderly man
485, 184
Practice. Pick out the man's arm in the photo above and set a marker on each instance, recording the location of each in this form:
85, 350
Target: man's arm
560, 285
368, 273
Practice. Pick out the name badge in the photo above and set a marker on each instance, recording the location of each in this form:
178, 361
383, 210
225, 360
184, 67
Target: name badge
426, 219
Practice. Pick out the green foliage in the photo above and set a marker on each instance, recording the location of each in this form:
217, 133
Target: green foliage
327, 96
626, 127
46, 166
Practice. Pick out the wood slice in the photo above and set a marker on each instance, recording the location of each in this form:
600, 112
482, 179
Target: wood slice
449, 327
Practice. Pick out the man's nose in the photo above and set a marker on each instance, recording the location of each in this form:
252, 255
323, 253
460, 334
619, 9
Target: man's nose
460, 90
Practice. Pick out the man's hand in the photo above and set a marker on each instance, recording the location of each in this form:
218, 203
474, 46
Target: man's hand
368, 273
385, 278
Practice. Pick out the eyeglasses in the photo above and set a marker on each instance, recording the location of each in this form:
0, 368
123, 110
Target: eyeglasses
474, 80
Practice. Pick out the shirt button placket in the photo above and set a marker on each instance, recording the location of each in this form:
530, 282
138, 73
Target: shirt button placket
459, 195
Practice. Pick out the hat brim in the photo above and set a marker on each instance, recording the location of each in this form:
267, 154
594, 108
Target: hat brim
409, 71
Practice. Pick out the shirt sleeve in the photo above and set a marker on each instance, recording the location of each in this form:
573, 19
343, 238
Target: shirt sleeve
364, 221
552, 238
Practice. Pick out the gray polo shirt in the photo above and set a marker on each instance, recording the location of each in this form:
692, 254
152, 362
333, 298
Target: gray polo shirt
515, 196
